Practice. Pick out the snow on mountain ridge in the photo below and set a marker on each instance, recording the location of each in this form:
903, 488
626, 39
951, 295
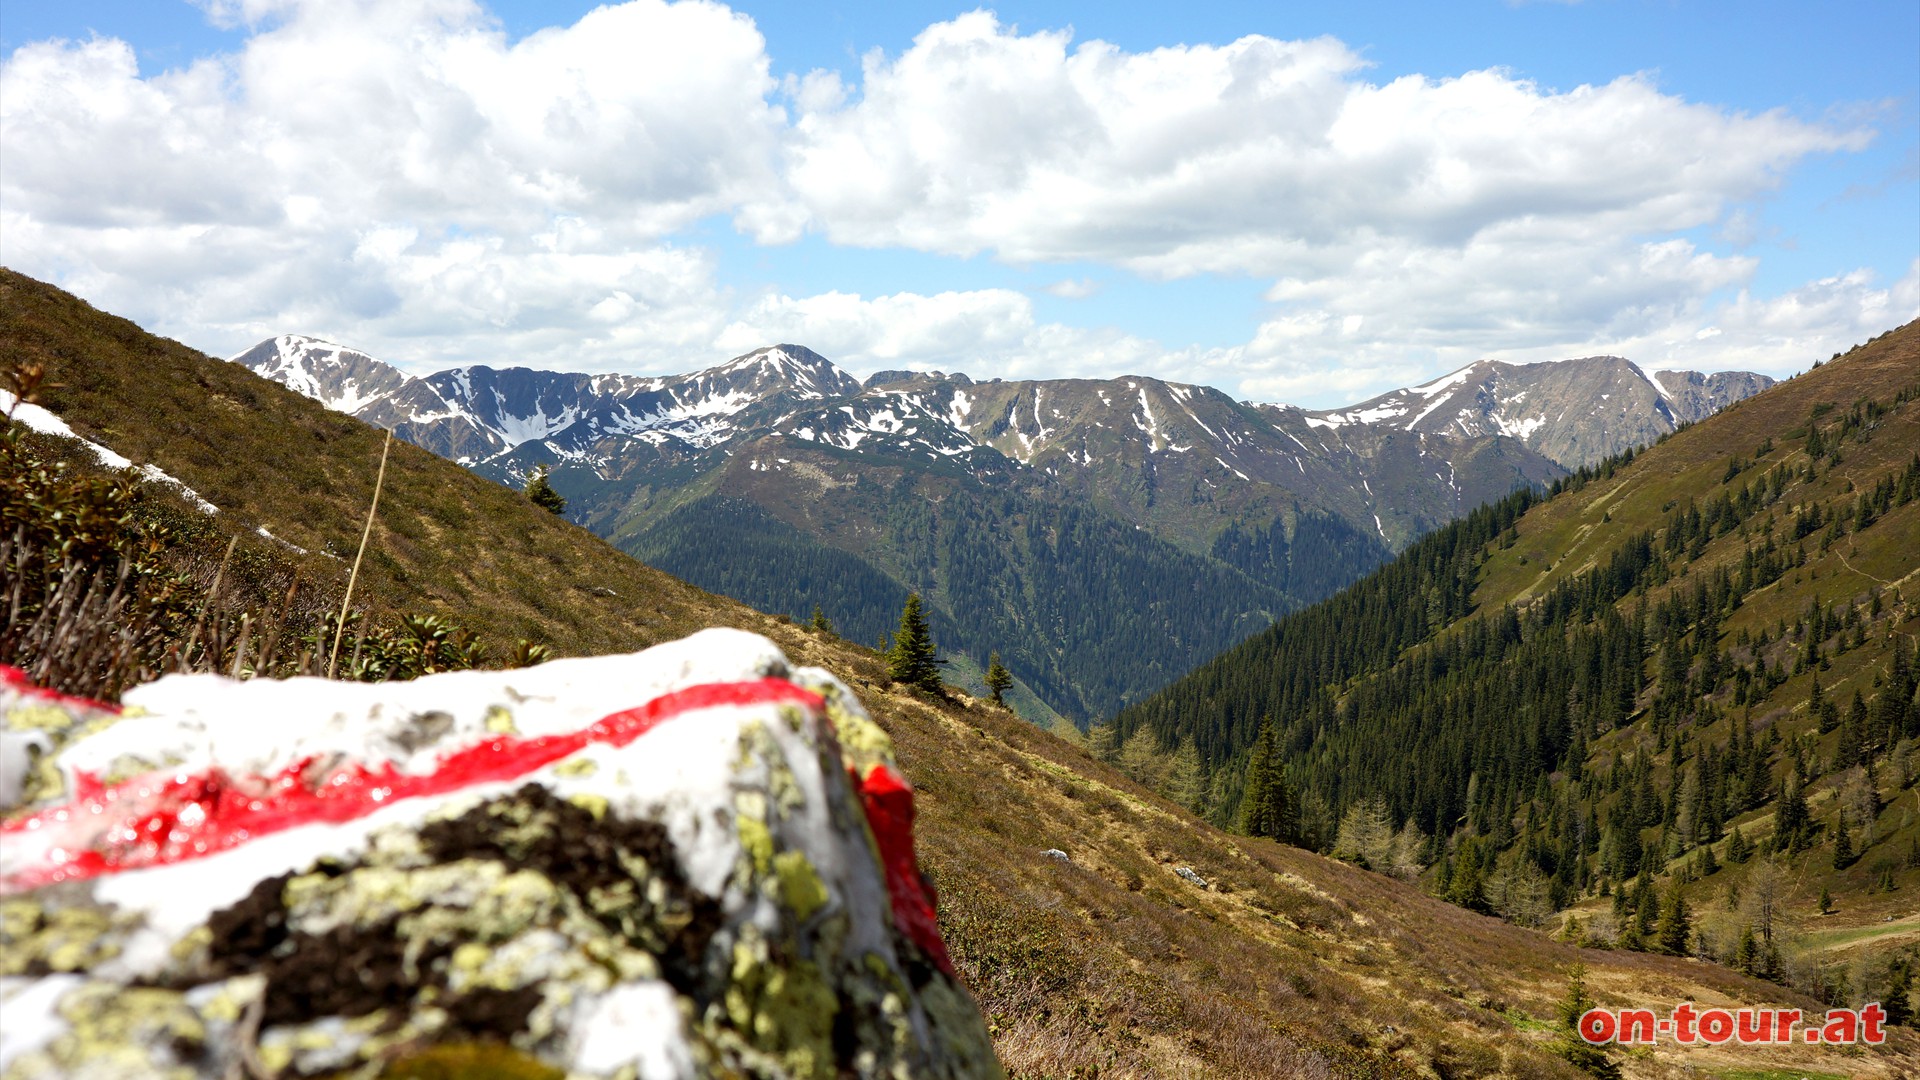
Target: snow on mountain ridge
1573, 411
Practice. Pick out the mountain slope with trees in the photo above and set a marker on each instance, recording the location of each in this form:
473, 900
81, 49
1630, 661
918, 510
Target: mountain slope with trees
1683, 681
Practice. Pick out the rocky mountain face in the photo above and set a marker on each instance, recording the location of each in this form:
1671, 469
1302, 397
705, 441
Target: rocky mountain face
1174, 515
1576, 412
696, 860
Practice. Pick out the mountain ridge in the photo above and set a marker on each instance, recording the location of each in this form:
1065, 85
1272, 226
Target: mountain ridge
1280, 506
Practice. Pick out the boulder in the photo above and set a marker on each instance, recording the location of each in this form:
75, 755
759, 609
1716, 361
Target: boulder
690, 861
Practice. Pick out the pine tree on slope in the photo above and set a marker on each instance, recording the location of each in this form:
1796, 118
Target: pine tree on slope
911, 660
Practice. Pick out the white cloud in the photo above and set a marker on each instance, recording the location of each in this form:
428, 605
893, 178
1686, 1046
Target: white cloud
1261, 156
904, 328
394, 166
395, 174
1073, 288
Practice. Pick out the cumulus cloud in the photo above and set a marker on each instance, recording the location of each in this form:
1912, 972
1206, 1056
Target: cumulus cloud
391, 165
984, 332
1261, 156
397, 174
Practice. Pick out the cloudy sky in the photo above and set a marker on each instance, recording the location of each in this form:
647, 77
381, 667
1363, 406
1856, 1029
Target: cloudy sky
1293, 202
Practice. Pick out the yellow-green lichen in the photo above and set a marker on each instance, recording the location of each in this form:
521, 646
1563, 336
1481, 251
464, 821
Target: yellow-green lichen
62, 939
801, 890
499, 720
756, 840
230, 1002
597, 805
863, 743
31, 715
118, 1030
784, 1010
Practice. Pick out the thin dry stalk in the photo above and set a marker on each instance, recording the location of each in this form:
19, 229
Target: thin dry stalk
340, 627
213, 598
240, 653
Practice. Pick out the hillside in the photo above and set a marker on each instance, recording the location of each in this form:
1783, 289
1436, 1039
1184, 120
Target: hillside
1688, 673
1284, 964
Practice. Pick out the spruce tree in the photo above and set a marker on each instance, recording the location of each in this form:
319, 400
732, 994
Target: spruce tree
1897, 1000
542, 493
1269, 808
1738, 849
1747, 956
911, 660
1584, 1055
999, 679
821, 623
1676, 922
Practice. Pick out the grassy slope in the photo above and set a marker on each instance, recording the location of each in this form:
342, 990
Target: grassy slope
1289, 964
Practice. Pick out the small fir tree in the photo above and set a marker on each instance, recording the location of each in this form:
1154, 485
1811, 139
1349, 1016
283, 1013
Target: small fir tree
1738, 850
1582, 1054
1898, 998
911, 660
542, 493
821, 623
999, 679
1676, 922
1747, 956
1826, 901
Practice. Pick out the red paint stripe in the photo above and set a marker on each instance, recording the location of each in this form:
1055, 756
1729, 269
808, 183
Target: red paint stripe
889, 805
164, 818
12, 678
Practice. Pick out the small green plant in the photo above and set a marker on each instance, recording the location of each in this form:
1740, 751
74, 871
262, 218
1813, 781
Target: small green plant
526, 654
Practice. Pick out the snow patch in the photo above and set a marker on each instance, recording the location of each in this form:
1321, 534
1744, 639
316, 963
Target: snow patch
42, 420
1232, 470
1443, 382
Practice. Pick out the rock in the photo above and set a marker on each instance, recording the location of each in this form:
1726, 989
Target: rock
689, 861
1187, 873
1056, 854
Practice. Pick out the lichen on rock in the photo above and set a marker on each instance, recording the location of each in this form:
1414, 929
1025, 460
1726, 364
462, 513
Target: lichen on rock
684, 862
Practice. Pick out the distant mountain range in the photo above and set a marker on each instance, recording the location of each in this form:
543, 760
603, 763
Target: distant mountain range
1103, 535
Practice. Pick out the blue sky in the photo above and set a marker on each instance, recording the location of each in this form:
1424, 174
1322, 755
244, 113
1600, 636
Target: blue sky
1352, 197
